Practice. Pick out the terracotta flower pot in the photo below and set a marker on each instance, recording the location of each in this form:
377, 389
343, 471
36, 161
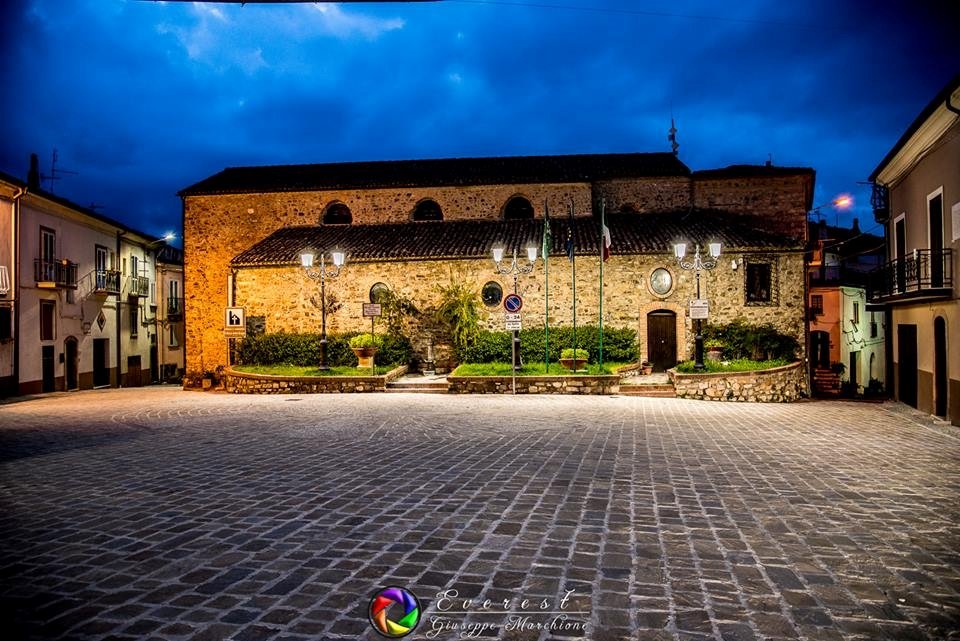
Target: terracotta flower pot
573, 363
364, 355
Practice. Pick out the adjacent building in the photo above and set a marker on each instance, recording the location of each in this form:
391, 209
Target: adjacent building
917, 199
847, 350
413, 225
77, 295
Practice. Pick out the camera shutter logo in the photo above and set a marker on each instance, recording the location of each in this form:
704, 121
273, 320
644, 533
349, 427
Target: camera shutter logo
394, 612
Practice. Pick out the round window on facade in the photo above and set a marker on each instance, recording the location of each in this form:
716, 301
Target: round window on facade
492, 294
379, 292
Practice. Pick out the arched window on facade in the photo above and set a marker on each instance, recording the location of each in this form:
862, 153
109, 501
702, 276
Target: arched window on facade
518, 208
427, 210
337, 214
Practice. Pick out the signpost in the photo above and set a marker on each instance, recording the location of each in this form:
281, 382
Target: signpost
372, 310
699, 309
234, 322
512, 303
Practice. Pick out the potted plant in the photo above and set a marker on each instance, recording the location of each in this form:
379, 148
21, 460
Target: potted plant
573, 359
364, 347
714, 349
646, 368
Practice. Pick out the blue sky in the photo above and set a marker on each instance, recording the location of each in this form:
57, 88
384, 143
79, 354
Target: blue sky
145, 98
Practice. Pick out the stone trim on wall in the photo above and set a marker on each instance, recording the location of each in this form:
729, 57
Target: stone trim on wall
245, 383
599, 385
777, 385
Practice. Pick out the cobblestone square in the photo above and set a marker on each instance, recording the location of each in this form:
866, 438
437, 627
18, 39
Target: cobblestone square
160, 514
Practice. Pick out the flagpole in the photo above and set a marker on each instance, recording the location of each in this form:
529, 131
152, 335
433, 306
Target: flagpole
547, 245
603, 225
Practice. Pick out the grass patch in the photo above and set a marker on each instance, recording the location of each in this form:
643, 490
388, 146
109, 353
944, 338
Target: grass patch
532, 369
738, 365
299, 370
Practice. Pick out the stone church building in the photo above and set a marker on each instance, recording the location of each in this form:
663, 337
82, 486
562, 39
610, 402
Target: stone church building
414, 225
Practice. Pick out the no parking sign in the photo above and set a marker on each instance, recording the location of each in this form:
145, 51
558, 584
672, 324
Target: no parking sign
513, 303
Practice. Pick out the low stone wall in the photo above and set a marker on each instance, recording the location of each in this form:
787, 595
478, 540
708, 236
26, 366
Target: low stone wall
244, 383
776, 385
535, 384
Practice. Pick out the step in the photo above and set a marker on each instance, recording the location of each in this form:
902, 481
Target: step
417, 385
409, 389
653, 390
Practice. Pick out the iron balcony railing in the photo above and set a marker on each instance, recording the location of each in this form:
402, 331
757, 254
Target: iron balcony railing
174, 307
922, 273
139, 286
106, 281
59, 272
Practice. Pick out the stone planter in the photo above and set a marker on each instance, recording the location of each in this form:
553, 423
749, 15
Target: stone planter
714, 353
364, 355
573, 363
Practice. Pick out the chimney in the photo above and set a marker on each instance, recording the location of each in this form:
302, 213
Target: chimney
856, 226
33, 176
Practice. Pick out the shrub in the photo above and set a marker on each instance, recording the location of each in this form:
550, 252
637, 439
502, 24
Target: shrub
394, 349
757, 342
458, 312
571, 353
361, 341
619, 344
304, 350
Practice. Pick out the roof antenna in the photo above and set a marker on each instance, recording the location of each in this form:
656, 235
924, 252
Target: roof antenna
769, 160
54, 171
673, 134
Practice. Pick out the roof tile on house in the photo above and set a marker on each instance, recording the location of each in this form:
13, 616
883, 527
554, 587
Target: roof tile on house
439, 173
630, 234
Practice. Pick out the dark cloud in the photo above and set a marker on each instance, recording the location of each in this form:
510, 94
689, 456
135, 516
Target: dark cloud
143, 99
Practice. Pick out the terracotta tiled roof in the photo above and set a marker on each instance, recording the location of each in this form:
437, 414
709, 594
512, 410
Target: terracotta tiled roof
630, 233
438, 173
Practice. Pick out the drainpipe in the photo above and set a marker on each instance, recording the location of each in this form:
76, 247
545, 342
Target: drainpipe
15, 280
118, 314
949, 105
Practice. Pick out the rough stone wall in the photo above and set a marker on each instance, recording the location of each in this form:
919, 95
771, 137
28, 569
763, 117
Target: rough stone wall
286, 298
645, 195
778, 203
243, 383
779, 385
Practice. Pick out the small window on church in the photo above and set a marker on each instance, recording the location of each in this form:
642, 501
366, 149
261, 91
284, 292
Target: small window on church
427, 210
518, 208
759, 283
337, 214
492, 294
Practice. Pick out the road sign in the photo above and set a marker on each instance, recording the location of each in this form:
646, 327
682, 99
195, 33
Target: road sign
511, 317
234, 318
371, 309
512, 303
513, 326
699, 309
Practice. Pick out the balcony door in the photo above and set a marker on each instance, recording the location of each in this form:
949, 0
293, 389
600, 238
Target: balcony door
935, 220
48, 255
900, 237
101, 267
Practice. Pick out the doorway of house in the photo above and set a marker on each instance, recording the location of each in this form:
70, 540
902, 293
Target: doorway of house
47, 362
71, 379
662, 339
907, 364
134, 377
101, 373
940, 366
820, 349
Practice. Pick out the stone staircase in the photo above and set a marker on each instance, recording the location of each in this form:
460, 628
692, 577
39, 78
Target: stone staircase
419, 384
650, 386
826, 383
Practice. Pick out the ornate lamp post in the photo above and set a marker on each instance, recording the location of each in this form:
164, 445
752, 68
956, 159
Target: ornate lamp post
306, 260
697, 264
515, 269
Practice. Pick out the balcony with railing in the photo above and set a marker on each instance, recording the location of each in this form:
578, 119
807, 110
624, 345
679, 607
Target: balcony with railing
106, 281
55, 273
920, 275
174, 308
836, 275
138, 286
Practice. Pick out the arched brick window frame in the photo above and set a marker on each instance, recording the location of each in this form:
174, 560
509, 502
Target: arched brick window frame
337, 213
518, 208
427, 210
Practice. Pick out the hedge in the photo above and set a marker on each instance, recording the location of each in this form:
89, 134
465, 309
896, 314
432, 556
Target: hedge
304, 350
619, 344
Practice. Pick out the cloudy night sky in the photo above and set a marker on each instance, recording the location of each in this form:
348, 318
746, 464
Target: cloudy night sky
142, 98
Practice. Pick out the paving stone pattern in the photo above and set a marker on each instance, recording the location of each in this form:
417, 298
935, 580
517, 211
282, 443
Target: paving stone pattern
162, 514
